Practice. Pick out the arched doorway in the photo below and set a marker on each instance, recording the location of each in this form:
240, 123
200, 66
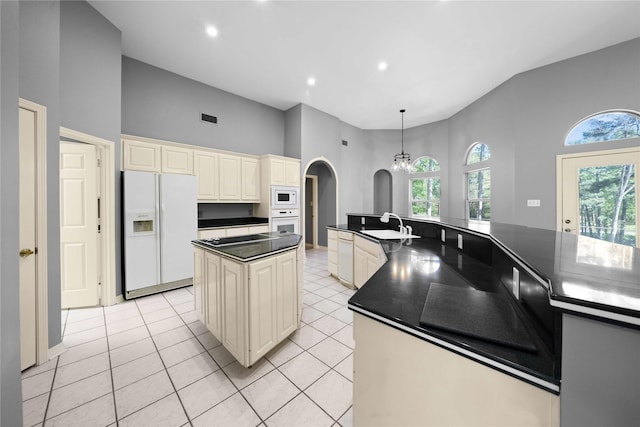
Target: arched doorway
320, 205
382, 192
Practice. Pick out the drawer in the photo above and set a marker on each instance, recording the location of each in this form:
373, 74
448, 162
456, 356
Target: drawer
345, 235
211, 233
372, 248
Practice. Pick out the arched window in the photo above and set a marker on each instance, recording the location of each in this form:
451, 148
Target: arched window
607, 126
424, 188
478, 179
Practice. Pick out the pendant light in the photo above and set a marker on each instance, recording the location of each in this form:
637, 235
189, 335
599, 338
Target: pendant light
402, 160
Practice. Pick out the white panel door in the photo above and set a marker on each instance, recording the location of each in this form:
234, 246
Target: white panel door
599, 196
78, 225
27, 238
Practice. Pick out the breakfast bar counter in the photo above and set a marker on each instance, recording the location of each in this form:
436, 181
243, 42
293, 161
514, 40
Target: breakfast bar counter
444, 289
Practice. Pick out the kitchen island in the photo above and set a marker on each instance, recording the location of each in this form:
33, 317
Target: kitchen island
248, 290
434, 371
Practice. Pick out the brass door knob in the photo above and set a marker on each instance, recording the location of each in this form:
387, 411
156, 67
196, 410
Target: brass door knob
25, 252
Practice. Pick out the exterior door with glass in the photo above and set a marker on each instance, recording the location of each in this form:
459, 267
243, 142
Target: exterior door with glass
598, 195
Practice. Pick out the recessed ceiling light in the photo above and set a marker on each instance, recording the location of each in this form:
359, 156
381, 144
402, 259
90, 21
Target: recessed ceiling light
311, 81
212, 31
382, 66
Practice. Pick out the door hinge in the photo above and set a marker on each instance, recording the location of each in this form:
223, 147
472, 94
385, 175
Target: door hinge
99, 162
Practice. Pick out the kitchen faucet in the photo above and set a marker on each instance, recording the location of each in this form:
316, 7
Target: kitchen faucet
403, 229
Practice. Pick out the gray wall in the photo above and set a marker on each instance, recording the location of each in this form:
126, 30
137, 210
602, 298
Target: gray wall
293, 132
10, 383
163, 105
524, 121
40, 83
90, 92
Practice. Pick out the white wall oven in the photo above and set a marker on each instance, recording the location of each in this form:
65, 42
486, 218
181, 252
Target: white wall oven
285, 221
284, 197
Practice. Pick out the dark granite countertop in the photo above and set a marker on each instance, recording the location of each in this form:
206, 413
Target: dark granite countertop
396, 294
231, 222
250, 251
585, 275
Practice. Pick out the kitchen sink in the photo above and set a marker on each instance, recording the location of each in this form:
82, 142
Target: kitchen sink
389, 234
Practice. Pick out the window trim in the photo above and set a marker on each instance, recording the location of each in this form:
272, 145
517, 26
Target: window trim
468, 168
424, 175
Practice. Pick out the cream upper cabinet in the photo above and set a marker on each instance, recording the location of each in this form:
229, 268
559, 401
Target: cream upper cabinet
292, 173
141, 156
283, 171
230, 177
205, 167
250, 179
177, 160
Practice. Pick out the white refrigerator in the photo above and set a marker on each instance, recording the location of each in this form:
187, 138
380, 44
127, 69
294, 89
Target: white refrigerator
160, 215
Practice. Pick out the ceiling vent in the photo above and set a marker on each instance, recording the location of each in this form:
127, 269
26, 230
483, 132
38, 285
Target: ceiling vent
208, 118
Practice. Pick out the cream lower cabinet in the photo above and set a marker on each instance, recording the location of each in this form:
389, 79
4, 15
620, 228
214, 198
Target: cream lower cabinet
332, 253
368, 257
213, 292
234, 310
407, 381
249, 307
198, 283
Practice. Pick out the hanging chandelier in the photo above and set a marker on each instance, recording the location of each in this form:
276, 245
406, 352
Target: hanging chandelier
402, 160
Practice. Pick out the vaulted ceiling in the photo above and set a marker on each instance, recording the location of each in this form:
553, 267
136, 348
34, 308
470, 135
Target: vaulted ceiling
441, 55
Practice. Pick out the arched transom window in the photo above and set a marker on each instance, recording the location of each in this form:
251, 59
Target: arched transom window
478, 178
608, 126
424, 188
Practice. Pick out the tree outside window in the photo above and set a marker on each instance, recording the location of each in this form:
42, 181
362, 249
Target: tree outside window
609, 126
425, 188
478, 177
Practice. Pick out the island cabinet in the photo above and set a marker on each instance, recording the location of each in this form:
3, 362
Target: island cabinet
249, 307
368, 257
425, 384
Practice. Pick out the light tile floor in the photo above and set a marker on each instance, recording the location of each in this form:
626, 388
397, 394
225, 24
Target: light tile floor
150, 362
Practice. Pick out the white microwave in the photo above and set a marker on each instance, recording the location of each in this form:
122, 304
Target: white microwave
284, 197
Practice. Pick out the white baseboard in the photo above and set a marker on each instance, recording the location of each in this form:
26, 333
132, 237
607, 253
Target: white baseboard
119, 299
